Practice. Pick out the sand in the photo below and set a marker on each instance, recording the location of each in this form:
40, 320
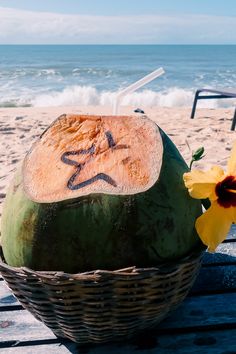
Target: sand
19, 127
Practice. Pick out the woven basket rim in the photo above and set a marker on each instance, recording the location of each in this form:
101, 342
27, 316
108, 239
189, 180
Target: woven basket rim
129, 271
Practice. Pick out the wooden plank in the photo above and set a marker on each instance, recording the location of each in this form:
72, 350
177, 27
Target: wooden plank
194, 343
212, 342
226, 254
22, 326
215, 280
232, 232
39, 349
203, 311
7, 299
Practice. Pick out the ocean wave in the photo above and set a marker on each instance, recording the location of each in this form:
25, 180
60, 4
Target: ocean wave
88, 95
70, 96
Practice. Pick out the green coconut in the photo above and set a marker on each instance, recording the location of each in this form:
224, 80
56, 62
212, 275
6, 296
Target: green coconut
99, 192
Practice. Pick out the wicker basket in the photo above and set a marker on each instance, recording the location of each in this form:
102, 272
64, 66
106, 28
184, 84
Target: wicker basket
102, 306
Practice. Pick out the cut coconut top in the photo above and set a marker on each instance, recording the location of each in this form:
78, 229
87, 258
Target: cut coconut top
81, 154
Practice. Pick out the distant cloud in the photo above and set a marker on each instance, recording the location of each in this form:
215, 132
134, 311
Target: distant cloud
28, 27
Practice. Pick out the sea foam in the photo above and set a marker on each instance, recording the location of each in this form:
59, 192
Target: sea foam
88, 95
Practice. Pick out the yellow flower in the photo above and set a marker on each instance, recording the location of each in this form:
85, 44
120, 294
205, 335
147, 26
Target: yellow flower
220, 188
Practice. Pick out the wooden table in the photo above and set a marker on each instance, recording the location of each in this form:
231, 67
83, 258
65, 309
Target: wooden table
204, 324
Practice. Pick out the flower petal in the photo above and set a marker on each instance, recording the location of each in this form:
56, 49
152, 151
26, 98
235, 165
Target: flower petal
213, 226
201, 184
232, 161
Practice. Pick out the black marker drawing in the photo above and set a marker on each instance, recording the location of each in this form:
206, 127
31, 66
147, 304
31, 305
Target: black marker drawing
80, 152
80, 166
112, 144
110, 140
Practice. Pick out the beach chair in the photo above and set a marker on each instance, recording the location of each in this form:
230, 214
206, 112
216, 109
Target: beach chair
214, 94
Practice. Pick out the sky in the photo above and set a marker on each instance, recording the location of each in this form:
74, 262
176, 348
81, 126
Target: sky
117, 22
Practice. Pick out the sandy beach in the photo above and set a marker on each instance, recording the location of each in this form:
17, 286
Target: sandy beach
19, 127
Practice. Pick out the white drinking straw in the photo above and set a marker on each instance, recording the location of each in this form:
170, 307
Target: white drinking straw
135, 86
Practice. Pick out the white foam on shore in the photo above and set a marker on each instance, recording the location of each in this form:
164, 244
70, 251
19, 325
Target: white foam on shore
88, 95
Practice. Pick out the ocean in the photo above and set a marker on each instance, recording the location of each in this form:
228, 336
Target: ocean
56, 75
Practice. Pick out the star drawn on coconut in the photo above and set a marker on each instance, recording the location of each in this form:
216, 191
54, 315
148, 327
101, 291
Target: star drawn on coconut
220, 187
79, 166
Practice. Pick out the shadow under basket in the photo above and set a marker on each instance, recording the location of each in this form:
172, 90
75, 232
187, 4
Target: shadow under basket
102, 306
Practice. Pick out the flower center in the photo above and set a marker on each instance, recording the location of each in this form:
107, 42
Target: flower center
226, 192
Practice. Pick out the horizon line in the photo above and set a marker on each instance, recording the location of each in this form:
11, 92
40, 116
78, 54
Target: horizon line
120, 44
